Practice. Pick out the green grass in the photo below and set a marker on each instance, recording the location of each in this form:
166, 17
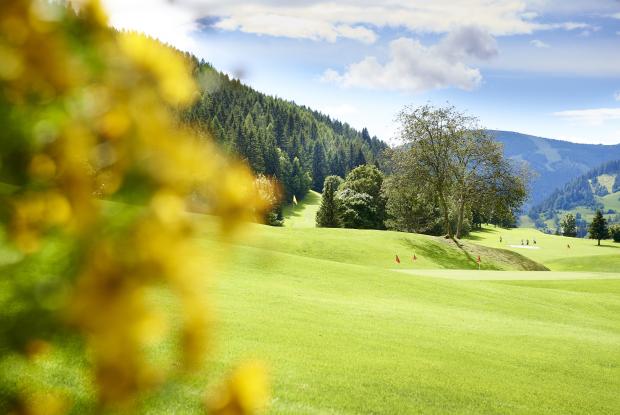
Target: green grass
553, 251
344, 338
303, 214
343, 333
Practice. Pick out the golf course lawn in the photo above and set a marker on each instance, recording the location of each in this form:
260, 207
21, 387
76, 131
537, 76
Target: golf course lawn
553, 251
344, 329
344, 333
345, 338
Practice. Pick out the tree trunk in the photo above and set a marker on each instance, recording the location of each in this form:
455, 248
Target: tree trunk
459, 223
446, 217
599, 242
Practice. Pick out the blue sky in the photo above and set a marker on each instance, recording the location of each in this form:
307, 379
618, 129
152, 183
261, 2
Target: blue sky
544, 67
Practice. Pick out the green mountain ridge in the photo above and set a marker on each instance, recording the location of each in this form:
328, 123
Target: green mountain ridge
554, 162
598, 189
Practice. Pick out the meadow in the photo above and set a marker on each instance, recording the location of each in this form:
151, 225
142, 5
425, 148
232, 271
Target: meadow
345, 329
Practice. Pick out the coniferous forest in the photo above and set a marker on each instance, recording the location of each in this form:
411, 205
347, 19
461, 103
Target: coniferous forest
278, 138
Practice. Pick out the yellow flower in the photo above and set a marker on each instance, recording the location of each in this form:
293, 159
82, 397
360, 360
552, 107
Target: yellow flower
244, 392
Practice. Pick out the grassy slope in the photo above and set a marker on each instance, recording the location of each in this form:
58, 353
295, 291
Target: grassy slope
303, 215
553, 251
343, 333
374, 248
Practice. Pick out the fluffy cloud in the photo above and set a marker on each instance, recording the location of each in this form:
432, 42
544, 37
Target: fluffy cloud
162, 19
539, 44
414, 67
595, 116
328, 20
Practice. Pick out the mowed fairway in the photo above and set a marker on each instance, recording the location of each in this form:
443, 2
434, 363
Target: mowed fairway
558, 253
343, 333
346, 330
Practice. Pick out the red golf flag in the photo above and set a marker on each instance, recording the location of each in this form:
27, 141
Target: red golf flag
414, 257
397, 259
478, 258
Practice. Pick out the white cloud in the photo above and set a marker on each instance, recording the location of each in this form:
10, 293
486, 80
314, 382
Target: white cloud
341, 111
539, 44
617, 96
174, 21
161, 19
414, 67
594, 117
274, 24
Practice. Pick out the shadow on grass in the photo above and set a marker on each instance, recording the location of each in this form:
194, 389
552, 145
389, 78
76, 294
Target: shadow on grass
473, 236
442, 254
294, 211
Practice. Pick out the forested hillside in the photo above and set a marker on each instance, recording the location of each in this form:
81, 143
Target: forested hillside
555, 162
595, 190
278, 138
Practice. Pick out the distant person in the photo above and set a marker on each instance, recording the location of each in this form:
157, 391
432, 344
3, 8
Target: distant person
527, 242
500, 239
521, 242
534, 241
568, 246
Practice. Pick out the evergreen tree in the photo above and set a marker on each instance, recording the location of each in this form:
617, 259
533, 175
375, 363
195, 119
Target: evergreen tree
366, 135
598, 228
328, 215
614, 232
319, 166
300, 180
569, 226
360, 159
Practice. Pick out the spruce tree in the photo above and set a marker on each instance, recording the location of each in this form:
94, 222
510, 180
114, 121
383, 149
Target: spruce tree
598, 228
319, 166
328, 215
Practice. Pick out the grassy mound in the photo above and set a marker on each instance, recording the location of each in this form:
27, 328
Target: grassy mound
556, 252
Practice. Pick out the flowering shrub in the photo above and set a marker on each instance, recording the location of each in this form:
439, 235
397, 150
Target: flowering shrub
88, 115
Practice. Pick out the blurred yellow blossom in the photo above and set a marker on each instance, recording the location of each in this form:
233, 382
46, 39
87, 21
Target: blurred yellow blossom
93, 113
244, 392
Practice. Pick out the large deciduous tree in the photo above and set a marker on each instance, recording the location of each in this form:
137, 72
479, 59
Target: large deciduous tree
449, 155
361, 181
569, 225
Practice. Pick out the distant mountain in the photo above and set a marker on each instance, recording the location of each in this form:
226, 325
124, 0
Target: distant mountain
555, 162
598, 189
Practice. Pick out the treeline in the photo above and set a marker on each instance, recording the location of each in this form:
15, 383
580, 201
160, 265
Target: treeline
296, 145
449, 177
581, 191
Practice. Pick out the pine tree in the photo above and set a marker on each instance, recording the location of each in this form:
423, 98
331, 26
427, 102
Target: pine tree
271, 155
328, 215
319, 166
300, 180
360, 159
365, 135
598, 228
